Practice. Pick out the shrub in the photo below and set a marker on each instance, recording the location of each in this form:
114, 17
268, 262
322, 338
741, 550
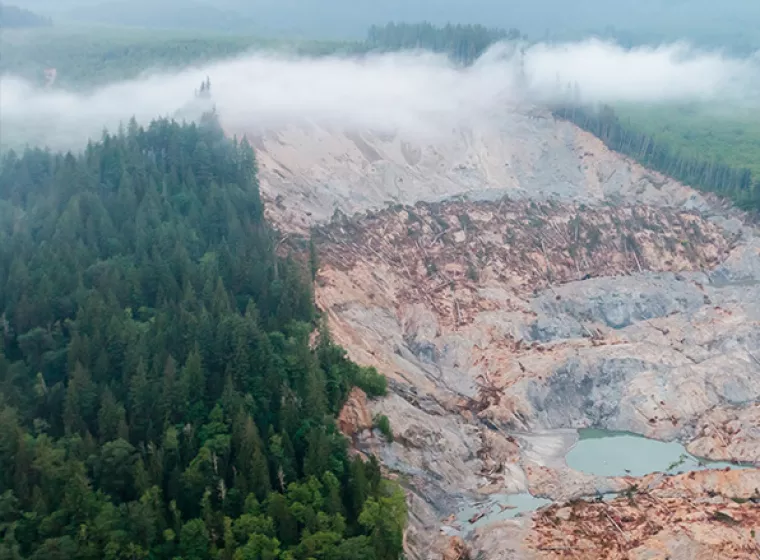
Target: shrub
384, 425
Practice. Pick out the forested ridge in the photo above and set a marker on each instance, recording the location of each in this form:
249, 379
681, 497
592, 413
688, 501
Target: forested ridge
731, 23
85, 58
88, 57
462, 43
159, 397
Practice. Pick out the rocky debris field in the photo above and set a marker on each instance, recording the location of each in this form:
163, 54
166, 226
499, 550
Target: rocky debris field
729, 433
501, 320
517, 247
693, 516
516, 283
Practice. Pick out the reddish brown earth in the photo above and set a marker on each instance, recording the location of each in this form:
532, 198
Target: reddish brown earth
702, 515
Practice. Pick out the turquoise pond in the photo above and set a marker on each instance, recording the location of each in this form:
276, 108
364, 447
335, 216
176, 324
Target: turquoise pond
600, 453
607, 453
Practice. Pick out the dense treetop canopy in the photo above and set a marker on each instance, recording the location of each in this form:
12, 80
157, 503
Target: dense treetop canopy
159, 397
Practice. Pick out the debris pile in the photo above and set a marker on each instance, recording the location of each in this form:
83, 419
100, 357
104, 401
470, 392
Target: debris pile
451, 251
695, 515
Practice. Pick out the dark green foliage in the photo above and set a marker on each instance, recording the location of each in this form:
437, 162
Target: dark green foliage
463, 43
341, 374
313, 259
729, 133
384, 425
369, 380
385, 517
724, 518
86, 57
735, 183
92, 56
158, 395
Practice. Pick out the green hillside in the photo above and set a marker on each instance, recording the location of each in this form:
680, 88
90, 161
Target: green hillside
94, 55
730, 135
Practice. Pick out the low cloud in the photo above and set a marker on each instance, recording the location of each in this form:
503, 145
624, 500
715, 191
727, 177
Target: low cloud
609, 73
413, 91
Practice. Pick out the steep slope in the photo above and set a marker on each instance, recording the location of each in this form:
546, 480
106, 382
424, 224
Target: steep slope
311, 170
538, 284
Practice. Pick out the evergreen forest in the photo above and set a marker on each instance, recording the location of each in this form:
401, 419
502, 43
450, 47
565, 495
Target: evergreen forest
462, 43
162, 393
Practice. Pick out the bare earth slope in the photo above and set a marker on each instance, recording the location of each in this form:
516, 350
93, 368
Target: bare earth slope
312, 170
594, 294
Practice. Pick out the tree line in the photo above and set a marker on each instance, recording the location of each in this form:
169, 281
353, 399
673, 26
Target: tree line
463, 43
87, 59
709, 175
159, 394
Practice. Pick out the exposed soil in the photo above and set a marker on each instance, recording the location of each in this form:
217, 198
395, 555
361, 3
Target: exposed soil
690, 516
600, 295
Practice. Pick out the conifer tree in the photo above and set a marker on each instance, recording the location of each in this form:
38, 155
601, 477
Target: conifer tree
158, 395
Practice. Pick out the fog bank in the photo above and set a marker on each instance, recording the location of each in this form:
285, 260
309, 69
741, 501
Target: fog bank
410, 91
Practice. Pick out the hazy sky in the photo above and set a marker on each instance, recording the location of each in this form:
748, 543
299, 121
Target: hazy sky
416, 91
350, 18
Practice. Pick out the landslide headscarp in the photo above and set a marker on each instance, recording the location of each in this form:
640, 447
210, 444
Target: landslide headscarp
310, 170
